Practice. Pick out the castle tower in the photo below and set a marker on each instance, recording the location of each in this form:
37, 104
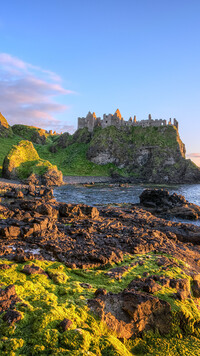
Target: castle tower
176, 123
118, 114
90, 120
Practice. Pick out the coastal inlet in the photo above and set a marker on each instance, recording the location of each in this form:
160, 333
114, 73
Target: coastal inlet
101, 194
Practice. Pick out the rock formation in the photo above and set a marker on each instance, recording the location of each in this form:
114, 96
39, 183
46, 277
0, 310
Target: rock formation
23, 162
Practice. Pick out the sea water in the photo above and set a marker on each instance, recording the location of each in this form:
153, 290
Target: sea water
102, 194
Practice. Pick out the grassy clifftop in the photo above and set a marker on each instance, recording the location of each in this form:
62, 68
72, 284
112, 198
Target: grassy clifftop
31, 133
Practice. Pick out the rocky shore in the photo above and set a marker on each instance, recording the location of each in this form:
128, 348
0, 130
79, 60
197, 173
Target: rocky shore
36, 230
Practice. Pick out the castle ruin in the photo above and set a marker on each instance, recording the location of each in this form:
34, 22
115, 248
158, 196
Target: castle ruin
91, 121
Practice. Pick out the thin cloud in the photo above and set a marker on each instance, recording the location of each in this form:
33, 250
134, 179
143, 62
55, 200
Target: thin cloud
28, 92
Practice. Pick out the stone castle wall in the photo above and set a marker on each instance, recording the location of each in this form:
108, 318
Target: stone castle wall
91, 121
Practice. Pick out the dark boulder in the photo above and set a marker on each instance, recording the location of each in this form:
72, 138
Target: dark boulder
160, 201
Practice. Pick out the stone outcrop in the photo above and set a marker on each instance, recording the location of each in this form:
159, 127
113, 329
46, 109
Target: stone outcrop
22, 153
23, 162
129, 313
52, 177
159, 201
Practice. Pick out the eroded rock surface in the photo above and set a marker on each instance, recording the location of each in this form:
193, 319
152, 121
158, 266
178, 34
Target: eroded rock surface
130, 312
83, 236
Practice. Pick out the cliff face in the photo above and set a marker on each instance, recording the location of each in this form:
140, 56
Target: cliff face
152, 154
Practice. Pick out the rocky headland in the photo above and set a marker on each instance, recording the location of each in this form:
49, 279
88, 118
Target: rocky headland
153, 154
79, 280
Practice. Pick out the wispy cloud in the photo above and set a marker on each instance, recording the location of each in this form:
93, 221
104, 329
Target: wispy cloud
27, 93
195, 157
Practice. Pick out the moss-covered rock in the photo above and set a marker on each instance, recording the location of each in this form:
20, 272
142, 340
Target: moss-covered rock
31, 133
23, 162
20, 159
5, 129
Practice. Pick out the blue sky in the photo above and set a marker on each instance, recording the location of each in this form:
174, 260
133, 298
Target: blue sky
59, 59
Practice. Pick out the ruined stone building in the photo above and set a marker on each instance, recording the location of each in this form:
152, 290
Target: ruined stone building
91, 121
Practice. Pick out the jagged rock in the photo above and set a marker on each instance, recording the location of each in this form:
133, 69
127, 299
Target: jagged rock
52, 177
9, 231
64, 232
182, 286
70, 210
129, 313
32, 269
161, 197
8, 298
33, 180
160, 201
148, 285
4, 266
